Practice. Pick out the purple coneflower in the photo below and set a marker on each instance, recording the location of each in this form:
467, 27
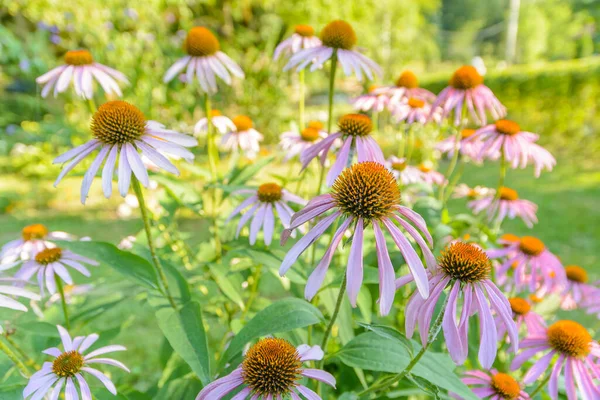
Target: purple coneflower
523, 316
70, 367
577, 291
370, 101
494, 385
465, 146
355, 132
568, 346
365, 194
431, 176
244, 137
404, 173
518, 147
337, 40
406, 87
464, 191
51, 264
121, 131
414, 110
534, 267
294, 142
34, 238
302, 38
271, 369
204, 60
508, 204
261, 202
81, 70
465, 268
466, 88
218, 120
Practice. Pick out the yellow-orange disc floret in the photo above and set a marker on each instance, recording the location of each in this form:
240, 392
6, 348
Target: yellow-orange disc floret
519, 306
531, 246
201, 42
576, 274
79, 57
118, 122
416, 103
505, 386
48, 256
508, 194
33, 232
242, 123
309, 134
465, 133
304, 30
355, 124
569, 338
339, 35
269, 192
318, 125
507, 127
466, 77
272, 367
366, 190
67, 364
465, 262
407, 80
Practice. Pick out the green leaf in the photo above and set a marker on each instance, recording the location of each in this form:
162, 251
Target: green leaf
240, 176
39, 328
225, 284
390, 333
281, 316
185, 194
128, 264
11, 392
184, 329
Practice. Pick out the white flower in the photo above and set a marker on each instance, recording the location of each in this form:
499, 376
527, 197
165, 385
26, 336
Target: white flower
302, 38
243, 137
34, 238
219, 121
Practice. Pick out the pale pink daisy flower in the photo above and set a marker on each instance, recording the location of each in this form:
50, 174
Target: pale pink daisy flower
218, 120
272, 369
12, 291
244, 137
370, 101
519, 147
294, 142
464, 191
302, 38
205, 60
568, 346
121, 131
534, 267
494, 385
364, 195
355, 133
577, 291
70, 369
263, 202
430, 175
34, 238
81, 69
508, 204
51, 264
406, 87
466, 88
465, 268
523, 316
466, 147
404, 173
337, 41
414, 110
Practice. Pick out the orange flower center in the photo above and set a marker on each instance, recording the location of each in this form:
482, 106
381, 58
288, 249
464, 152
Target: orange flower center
466, 77
507, 127
416, 103
535, 299
531, 245
399, 166
465, 133
366, 190
569, 338
215, 113
509, 237
373, 88
242, 123
339, 35
118, 122
201, 42
465, 262
407, 80
48, 256
272, 368
318, 125
576, 274
79, 57
309, 134
269, 192
506, 386
519, 306
424, 168
35, 231
67, 364
304, 30
355, 124
508, 194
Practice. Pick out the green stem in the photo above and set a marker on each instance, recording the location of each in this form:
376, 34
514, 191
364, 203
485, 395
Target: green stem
542, 384
331, 91
455, 179
213, 161
14, 358
336, 311
61, 290
451, 167
301, 101
92, 106
403, 138
253, 290
28, 360
502, 173
146, 220
411, 143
